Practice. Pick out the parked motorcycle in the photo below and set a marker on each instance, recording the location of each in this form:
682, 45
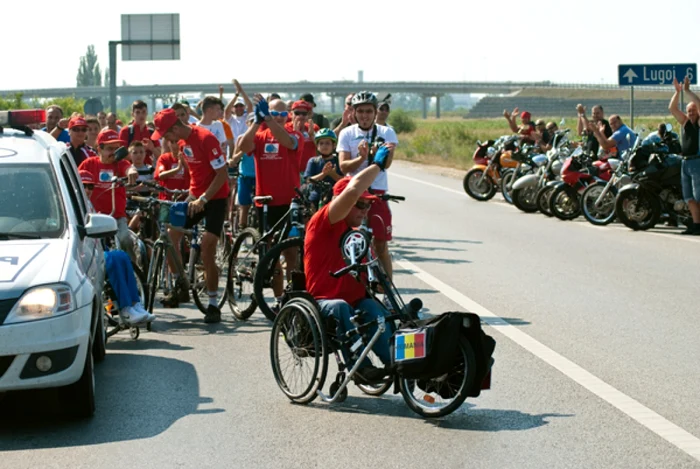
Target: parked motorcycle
526, 188
577, 174
529, 160
491, 160
655, 188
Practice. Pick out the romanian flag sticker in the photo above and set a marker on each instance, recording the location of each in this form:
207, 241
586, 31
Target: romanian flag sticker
410, 346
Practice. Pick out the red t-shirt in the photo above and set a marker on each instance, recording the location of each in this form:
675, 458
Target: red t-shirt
102, 193
309, 145
204, 156
276, 167
322, 256
139, 134
179, 180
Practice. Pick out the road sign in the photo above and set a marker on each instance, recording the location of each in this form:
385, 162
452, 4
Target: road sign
656, 75
151, 37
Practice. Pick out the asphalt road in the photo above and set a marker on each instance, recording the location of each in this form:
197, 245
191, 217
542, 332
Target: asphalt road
596, 361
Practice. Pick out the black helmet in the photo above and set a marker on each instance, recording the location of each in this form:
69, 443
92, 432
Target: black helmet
364, 97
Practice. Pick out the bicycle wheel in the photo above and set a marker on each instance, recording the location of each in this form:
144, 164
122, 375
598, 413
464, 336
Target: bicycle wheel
199, 286
264, 294
241, 272
375, 389
154, 276
442, 395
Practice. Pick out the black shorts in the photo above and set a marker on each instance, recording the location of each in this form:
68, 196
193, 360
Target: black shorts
214, 214
274, 214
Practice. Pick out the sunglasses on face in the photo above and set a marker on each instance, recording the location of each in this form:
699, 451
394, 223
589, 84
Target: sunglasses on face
348, 104
301, 113
364, 111
279, 114
384, 109
360, 205
79, 129
89, 186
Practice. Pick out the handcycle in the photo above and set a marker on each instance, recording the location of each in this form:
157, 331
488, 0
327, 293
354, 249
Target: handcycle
253, 251
436, 363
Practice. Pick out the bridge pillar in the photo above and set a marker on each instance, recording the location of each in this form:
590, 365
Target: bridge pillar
153, 104
332, 96
425, 106
437, 106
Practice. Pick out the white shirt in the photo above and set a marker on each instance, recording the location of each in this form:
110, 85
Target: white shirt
217, 128
192, 120
350, 138
237, 124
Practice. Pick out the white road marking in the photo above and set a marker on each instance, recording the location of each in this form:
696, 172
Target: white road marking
664, 428
503, 202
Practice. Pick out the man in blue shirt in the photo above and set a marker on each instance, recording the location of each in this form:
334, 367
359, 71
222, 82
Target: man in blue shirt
54, 119
619, 137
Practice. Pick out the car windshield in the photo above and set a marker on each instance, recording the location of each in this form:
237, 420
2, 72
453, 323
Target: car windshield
30, 204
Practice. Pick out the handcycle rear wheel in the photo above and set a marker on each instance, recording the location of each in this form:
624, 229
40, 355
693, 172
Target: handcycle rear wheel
298, 347
426, 397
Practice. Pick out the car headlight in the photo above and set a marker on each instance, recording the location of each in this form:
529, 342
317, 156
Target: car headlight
41, 303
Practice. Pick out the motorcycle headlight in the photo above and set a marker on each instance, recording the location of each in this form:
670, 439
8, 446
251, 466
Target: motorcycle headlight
41, 303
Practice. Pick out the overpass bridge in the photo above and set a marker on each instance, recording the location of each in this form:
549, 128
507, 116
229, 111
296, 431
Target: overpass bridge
335, 89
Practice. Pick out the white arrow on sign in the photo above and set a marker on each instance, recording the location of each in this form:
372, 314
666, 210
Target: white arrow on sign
630, 75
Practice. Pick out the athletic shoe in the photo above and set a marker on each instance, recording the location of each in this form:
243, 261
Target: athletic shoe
212, 315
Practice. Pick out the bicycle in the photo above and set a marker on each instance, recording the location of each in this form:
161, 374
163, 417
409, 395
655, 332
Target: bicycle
248, 252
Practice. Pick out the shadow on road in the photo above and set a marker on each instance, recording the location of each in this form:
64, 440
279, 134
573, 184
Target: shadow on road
435, 240
145, 342
228, 325
467, 417
34, 419
495, 322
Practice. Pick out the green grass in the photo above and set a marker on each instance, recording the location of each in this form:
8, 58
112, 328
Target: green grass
451, 142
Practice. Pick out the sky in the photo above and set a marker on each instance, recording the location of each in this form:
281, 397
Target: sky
281, 41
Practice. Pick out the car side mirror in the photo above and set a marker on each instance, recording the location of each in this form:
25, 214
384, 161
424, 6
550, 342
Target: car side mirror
121, 153
99, 226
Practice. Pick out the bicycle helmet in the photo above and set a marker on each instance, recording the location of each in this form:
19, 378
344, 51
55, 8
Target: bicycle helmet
364, 97
325, 133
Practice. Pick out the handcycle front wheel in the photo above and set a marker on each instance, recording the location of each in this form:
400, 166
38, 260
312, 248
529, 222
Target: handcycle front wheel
442, 395
299, 350
375, 389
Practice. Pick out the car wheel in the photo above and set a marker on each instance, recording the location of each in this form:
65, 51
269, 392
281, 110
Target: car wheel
79, 397
99, 346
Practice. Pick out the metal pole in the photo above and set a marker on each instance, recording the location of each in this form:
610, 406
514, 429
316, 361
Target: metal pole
632, 106
113, 76
681, 104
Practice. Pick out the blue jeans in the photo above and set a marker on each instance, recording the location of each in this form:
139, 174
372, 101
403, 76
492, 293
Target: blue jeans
690, 179
342, 311
121, 276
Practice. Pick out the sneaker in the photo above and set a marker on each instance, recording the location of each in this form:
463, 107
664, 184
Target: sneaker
138, 307
692, 230
131, 316
212, 315
370, 375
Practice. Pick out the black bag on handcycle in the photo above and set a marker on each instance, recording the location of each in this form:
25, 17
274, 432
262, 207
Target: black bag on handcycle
426, 350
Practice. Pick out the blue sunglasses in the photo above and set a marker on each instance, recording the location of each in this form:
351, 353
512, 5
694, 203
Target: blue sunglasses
277, 113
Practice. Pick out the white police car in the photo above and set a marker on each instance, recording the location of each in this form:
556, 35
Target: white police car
51, 267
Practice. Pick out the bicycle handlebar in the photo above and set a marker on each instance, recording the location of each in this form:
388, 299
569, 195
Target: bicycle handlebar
393, 198
345, 270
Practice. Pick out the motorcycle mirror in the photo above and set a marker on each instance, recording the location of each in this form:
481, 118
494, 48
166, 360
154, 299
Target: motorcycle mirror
478, 143
563, 122
669, 127
121, 153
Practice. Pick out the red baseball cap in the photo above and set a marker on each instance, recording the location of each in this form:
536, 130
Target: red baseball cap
109, 136
77, 122
340, 186
163, 120
86, 177
302, 105
525, 114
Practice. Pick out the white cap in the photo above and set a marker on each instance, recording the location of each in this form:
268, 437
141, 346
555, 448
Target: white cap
239, 100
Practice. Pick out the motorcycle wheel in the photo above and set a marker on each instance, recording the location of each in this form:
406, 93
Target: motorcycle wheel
563, 205
506, 179
526, 199
637, 210
481, 192
605, 213
542, 200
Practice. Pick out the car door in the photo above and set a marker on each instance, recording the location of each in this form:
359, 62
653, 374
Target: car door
86, 248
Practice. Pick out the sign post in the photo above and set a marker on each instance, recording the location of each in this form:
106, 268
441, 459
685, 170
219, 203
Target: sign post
654, 75
144, 37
